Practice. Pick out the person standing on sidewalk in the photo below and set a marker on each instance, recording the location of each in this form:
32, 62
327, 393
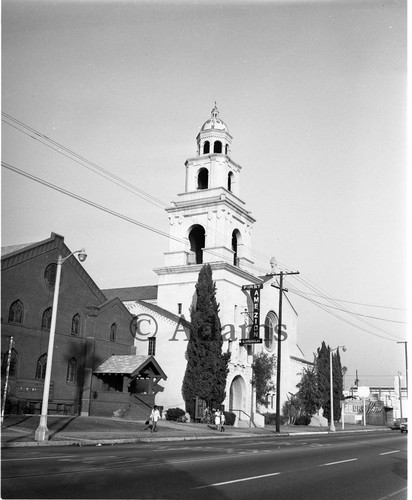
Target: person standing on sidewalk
154, 417
222, 421
217, 420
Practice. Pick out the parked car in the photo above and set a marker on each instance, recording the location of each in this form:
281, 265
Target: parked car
404, 426
397, 423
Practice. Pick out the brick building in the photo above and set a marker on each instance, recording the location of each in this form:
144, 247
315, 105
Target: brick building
95, 369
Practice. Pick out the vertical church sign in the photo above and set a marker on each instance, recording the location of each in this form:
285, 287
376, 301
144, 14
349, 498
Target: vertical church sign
254, 327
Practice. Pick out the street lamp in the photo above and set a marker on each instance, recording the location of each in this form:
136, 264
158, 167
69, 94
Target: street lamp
42, 432
332, 424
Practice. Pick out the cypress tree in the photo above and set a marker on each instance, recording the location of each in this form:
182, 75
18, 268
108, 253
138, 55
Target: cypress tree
337, 385
207, 367
323, 378
323, 381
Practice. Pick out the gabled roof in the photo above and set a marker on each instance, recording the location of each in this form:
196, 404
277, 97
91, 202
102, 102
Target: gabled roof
148, 292
130, 365
14, 248
164, 312
16, 254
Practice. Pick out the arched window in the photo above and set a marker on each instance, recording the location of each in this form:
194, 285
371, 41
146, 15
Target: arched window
16, 312
14, 363
217, 147
41, 367
50, 274
75, 325
235, 240
229, 181
71, 371
113, 331
206, 147
197, 242
46, 319
271, 322
203, 179
226, 149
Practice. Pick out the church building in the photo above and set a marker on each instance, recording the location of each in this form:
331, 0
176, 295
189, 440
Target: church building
210, 223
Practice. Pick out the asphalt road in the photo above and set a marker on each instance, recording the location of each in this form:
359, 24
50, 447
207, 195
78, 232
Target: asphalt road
340, 466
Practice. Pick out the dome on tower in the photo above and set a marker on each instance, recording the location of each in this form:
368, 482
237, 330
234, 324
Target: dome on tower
215, 123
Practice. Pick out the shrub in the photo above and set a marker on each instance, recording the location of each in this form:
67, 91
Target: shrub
270, 419
230, 418
176, 415
303, 420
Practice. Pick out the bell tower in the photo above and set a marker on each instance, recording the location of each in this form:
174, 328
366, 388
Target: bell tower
209, 222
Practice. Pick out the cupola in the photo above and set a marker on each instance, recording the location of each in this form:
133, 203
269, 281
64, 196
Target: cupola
214, 136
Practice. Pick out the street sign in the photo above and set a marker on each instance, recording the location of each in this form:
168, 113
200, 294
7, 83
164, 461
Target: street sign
258, 286
250, 341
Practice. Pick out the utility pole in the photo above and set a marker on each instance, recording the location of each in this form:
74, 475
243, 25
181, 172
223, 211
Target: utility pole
279, 329
406, 364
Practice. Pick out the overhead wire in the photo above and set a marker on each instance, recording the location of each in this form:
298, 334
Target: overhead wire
81, 160
96, 205
61, 149
325, 308
97, 169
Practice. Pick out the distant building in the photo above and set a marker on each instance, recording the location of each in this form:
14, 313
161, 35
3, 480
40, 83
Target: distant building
389, 402
95, 369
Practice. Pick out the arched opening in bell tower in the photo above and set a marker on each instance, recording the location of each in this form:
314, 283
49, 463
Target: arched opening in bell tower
203, 178
235, 243
229, 181
197, 242
217, 147
206, 147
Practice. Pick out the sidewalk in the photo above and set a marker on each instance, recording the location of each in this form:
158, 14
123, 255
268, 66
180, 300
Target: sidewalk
18, 431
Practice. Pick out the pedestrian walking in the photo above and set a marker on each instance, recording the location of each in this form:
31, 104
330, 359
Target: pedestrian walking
154, 417
222, 421
217, 420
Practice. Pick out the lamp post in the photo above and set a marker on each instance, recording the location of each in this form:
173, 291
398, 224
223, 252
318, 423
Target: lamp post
332, 423
42, 432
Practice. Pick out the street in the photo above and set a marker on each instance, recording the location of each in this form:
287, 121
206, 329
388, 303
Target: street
341, 466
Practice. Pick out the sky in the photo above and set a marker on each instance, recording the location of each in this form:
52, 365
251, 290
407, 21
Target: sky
314, 95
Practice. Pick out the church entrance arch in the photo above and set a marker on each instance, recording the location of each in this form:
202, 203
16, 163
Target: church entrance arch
237, 394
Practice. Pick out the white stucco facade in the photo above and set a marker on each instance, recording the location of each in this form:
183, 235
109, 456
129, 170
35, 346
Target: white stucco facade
209, 223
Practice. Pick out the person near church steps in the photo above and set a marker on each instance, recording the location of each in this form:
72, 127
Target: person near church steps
154, 417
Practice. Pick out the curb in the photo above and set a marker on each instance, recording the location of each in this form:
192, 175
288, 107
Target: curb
111, 442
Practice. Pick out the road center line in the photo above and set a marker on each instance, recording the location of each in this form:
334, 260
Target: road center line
341, 462
389, 452
36, 458
236, 481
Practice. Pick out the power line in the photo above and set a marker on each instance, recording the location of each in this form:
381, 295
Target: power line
155, 230
347, 321
348, 312
95, 168
81, 160
332, 301
99, 207
359, 303
86, 201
